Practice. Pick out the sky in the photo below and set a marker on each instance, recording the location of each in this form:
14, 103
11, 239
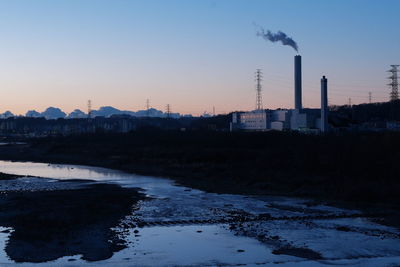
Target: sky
191, 54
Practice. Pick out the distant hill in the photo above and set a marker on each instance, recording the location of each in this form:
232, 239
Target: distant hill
106, 111
6, 115
77, 114
33, 114
52, 113
109, 111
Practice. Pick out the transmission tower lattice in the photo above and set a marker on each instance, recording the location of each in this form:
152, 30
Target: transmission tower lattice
147, 107
394, 84
370, 97
89, 107
259, 105
168, 110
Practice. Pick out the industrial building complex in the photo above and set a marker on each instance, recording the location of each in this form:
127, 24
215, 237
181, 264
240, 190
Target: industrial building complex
298, 119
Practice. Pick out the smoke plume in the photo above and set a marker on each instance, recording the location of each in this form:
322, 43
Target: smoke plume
278, 37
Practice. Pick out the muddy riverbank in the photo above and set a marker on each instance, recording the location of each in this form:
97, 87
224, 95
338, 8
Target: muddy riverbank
49, 224
6, 176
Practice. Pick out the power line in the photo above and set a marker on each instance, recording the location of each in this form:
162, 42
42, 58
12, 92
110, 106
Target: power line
310, 87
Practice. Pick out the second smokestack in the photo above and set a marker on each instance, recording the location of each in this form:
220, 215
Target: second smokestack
324, 104
297, 82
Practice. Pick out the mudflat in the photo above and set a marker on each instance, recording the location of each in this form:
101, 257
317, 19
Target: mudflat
48, 225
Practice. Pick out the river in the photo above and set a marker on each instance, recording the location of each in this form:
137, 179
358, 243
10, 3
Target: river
182, 226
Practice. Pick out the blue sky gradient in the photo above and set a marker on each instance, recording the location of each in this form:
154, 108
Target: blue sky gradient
192, 54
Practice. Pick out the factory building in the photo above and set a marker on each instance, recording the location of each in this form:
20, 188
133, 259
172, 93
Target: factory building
297, 119
256, 120
279, 120
261, 120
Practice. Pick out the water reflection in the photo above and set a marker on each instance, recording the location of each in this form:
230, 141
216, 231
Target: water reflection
52, 224
60, 171
76, 225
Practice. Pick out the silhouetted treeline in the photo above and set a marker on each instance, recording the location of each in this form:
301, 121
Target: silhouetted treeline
374, 112
355, 167
116, 123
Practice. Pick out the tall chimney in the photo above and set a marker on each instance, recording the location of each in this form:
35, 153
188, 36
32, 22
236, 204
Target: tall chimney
324, 104
297, 82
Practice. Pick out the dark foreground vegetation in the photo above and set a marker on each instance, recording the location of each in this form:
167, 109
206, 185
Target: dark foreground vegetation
6, 176
373, 112
357, 168
51, 224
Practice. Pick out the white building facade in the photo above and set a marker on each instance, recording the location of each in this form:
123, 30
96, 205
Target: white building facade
278, 120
